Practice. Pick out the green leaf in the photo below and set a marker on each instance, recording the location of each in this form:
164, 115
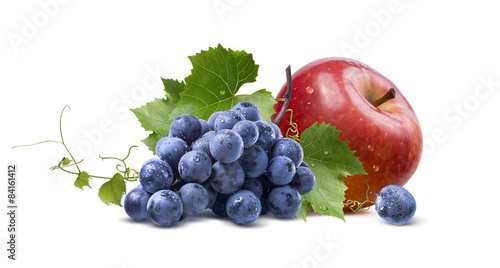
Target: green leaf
304, 208
173, 89
112, 191
66, 161
330, 159
82, 180
216, 77
154, 117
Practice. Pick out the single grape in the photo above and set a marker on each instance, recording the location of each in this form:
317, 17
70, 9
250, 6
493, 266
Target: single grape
281, 170
267, 186
155, 175
170, 150
395, 204
194, 198
203, 144
195, 166
135, 203
264, 203
277, 130
227, 178
212, 194
226, 146
205, 127
253, 185
304, 180
211, 119
284, 201
248, 110
304, 164
267, 137
186, 127
243, 207
248, 131
165, 208
219, 207
289, 148
227, 119
254, 161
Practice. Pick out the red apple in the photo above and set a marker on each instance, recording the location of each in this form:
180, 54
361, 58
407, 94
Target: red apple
343, 92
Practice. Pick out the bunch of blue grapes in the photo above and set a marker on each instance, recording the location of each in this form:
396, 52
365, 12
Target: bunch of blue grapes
234, 164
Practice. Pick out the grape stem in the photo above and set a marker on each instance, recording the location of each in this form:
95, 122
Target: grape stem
287, 96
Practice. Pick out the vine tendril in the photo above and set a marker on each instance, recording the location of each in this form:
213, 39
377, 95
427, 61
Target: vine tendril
357, 206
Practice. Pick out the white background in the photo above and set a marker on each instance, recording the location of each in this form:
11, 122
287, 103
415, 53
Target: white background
95, 57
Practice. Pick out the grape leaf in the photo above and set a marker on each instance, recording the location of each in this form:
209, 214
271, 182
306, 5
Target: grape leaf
82, 180
216, 77
154, 115
112, 191
329, 159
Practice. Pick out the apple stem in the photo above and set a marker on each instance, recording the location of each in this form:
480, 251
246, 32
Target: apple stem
391, 94
287, 96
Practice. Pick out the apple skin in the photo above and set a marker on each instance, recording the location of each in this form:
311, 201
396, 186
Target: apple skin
387, 138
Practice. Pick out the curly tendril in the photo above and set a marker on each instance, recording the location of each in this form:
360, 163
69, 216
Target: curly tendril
357, 206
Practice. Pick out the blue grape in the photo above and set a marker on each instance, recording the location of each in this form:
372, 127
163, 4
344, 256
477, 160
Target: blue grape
165, 207
304, 180
264, 203
248, 110
227, 178
253, 161
226, 146
186, 127
248, 131
195, 166
219, 206
289, 148
227, 119
395, 204
212, 194
254, 186
211, 119
135, 203
277, 130
170, 150
304, 164
281, 170
203, 144
194, 198
243, 207
205, 127
267, 137
155, 175
284, 201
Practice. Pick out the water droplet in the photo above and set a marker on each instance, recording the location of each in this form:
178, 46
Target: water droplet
323, 208
222, 92
325, 152
313, 165
309, 90
309, 103
375, 168
370, 148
